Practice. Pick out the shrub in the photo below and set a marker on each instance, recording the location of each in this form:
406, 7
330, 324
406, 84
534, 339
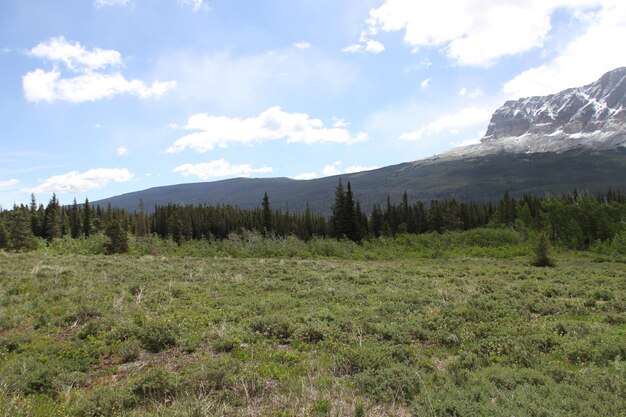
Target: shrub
156, 336
273, 326
155, 384
393, 384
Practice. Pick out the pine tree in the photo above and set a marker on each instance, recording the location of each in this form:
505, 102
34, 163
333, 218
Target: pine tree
267, 216
75, 220
4, 236
141, 225
118, 238
542, 258
338, 216
87, 218
53, 220
20, 234
35, 217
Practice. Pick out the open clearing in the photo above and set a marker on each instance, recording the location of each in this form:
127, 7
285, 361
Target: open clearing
177, 336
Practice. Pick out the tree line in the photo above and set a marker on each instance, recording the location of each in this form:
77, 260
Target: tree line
575, 220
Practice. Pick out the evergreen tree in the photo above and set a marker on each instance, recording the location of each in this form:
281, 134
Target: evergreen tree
118, 238
141, 224
267, 216
75, 220
542, 258
87, 215
20, 234
35, 217
4, 236
53, 220
338, 216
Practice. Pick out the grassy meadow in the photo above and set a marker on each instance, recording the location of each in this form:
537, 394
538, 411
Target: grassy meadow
458, 324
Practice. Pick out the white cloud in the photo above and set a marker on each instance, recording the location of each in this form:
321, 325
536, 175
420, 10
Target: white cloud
87, 82
122, 151
366, 45
75, 57
340, 123
196, 5
332, 169
306, 176
477, 92
336, 169
97, 126
75, 181
452, 123
219, 168
374, 47
107, 3
583, 60
425, 84
8, 183
473, 32
352, 49
272, 124
302, 45
359, 168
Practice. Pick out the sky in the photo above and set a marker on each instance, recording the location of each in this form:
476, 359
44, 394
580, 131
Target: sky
103, 97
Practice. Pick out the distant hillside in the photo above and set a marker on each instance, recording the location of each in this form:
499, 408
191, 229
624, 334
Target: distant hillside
477, 178
575, 139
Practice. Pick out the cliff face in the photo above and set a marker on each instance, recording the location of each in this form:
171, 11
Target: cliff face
597, 106
588, 117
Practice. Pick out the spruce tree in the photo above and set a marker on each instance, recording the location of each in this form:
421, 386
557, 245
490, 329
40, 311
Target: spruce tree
267, 216
53, 220
75, 220
118, 238
4, 236
20, 234
542, 259
87, 215
338, 216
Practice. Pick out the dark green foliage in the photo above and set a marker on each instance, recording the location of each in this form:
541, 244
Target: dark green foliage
542, 258
4, 236
392, 384
21, 237
267, 215
157, 336
53, 220
155, 384
118, 238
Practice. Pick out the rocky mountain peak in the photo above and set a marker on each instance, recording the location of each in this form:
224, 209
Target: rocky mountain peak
592, 116
586, 109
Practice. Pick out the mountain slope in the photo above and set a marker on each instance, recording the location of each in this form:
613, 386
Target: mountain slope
479, 178
575, 139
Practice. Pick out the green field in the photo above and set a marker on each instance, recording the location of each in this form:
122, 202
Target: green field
391, 327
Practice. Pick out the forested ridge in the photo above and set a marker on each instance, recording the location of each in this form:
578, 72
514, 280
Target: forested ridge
575, 220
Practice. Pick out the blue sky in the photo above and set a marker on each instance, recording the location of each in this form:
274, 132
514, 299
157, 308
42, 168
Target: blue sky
103, 97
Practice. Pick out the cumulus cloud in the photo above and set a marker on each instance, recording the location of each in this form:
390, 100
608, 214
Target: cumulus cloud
94, 75
477, 92
472, 32
583, 60
218, 169
8, 183
334, 169
272, 124
425, 84
106, 3
302, 45
452, 123
306, 176
122, 151
196, 5
75, 181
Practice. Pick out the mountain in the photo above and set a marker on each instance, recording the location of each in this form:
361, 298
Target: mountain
588, 117
575, 139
